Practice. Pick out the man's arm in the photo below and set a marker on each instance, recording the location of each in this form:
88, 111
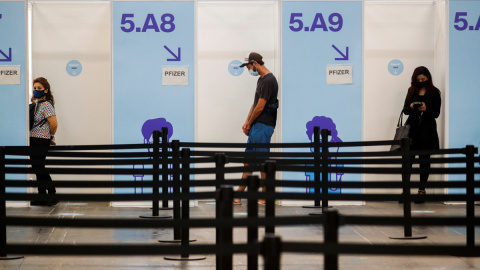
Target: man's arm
245, 126
257, 111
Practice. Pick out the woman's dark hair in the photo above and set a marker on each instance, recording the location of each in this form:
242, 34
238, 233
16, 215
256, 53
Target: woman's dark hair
413, 84
46, 85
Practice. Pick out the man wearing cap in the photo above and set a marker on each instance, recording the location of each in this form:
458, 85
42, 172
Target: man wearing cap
262, 117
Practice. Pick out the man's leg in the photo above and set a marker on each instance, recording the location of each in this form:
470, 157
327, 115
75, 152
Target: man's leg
242, 188
264, 176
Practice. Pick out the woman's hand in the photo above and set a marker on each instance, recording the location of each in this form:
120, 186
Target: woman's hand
411, 105
423, 107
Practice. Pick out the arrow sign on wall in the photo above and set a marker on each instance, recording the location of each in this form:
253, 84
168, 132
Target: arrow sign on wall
8, 58
344, 56
177, 57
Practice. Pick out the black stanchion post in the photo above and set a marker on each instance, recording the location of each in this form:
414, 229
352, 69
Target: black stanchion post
224, 239
470, 151
220, 161
165, 175
325, 133
156, 177
316, 166
177, 232
407, 203
185, 231
252, 208
330, 236
3, 211
3, 205
272, 249
176, 187
270, 169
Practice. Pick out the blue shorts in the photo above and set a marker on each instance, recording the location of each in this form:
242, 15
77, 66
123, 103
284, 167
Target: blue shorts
259, 133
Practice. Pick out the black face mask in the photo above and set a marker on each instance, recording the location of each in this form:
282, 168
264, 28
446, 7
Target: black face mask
422, 84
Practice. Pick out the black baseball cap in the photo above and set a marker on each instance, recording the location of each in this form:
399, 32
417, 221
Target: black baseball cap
253, 57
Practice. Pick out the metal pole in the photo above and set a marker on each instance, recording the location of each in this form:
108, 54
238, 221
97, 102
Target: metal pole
407, 207
185, 231
330, 234
470, 151
252, 233
225, 234
407, 203
325, 133
3, 205
270, 168
156, 177
176, 189
156, 174
165, 166
3, 212
272, 248
316, 160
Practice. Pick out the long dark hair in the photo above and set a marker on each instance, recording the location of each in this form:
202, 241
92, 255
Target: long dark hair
44, 82
413, 84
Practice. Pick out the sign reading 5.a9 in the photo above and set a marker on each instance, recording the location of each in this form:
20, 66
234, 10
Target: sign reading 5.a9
150, 23
335, 23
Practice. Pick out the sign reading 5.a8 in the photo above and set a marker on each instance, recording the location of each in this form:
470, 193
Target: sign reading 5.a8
150, 23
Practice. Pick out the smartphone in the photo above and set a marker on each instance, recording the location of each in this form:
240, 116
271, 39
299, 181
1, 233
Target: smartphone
417, 104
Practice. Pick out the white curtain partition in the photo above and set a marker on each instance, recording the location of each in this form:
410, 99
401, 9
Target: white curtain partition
65, 32
411, 32
228, 32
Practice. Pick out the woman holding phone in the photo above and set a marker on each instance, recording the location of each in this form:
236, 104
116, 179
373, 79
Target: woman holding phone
422, 105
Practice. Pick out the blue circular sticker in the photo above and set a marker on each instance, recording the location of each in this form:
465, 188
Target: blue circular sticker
74, 68
395, 67
234, 68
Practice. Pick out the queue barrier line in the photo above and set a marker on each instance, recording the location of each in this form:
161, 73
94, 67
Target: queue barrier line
321, 161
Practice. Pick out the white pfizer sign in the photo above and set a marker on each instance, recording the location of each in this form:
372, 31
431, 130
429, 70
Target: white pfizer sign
395, 67
174, 75
339, 75
234, 68
10, 75
74, 68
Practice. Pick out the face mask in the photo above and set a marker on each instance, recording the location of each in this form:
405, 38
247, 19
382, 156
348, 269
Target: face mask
253, 73
38, 94
422, 84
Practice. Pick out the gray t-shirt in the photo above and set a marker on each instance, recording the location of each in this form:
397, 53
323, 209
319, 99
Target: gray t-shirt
267, 88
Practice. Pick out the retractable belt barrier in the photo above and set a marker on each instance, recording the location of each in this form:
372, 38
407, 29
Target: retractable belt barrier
172, 164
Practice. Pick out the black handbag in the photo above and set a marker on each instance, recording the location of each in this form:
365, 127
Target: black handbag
402, 131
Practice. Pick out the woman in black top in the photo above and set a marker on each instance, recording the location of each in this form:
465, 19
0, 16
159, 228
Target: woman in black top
422, 105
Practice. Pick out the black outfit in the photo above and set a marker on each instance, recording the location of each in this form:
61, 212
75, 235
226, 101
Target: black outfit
423, 126
267, 88
42, 177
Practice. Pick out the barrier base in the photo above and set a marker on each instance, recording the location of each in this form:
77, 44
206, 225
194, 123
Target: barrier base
319, 213
159, 216
314, 206
311, 206
176, 241
414, 237
179, 258
163, 208
11, 257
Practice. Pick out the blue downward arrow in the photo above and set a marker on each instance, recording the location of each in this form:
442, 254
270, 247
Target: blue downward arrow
8, 58
176, 57
345, 57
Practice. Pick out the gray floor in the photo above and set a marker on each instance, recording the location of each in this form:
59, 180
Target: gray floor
356, 234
